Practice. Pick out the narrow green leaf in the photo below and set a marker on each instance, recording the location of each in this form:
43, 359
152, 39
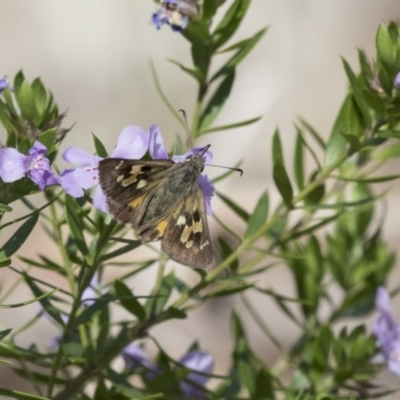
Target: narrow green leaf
162, 94
19, 237
5, 120
94, 309
98, 145
26, 101
317, 137
196, 74
245, 47
277, 151
337, 143
5, 208
75, 225
385, 48
230, 22
387, 153
34, 300
264, 386
357, 91
230, 126
226, 251
72, 346
40, 95
259, 215
157, 303
216, 102
299, 160
4, 333
375, 179
128, 300
48, 137
16, 394
234, 207
122, 250
282, 182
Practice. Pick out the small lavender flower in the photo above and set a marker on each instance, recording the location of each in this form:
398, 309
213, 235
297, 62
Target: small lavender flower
135, 357
5, 83
397, 81
15, 165
175, 13
200, 361
387, 331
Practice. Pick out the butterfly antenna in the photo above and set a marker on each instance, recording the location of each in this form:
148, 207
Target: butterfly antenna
187, 127
231, 168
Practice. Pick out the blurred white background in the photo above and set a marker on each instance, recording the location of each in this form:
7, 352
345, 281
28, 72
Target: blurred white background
93, 55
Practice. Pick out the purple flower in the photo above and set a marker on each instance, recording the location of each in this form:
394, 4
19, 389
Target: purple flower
5, 83
200, 361
133, 142
387, 331
397, 81
175, 13
135, 357
15, 165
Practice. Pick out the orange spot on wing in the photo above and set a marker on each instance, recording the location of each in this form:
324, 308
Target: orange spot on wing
162, 226
136, 202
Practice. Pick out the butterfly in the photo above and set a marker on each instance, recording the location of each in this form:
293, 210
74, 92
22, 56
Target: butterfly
162, 200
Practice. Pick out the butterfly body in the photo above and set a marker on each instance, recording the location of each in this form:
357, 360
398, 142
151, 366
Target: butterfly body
162, 200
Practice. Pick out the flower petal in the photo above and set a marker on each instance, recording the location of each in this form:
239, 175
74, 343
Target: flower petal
80, 157
199, 361
37, 149
100, 199
75, 180
133, 142
382, 303
43, 177
156, 145
12, 164
397, 81
208, 191
135, 357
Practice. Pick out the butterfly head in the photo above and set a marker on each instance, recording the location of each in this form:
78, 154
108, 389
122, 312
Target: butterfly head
197, 159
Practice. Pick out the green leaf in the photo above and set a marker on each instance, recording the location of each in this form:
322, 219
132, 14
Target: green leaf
19, 237
196, 74
234, 207
264, 386
316, 195
259, 215
337, 143
71, 346
357, 91
156, 304
26, 101
277, 151
387, 153
95, 308
245, 46
48, 137
299, 160
4, 333
216, 102
122, 250
227, 250
40, 95
230, 126
317, 137
98, 145
5, 208
16, 394
75, 225
128, 300
282, 182
386, 49
230, 22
